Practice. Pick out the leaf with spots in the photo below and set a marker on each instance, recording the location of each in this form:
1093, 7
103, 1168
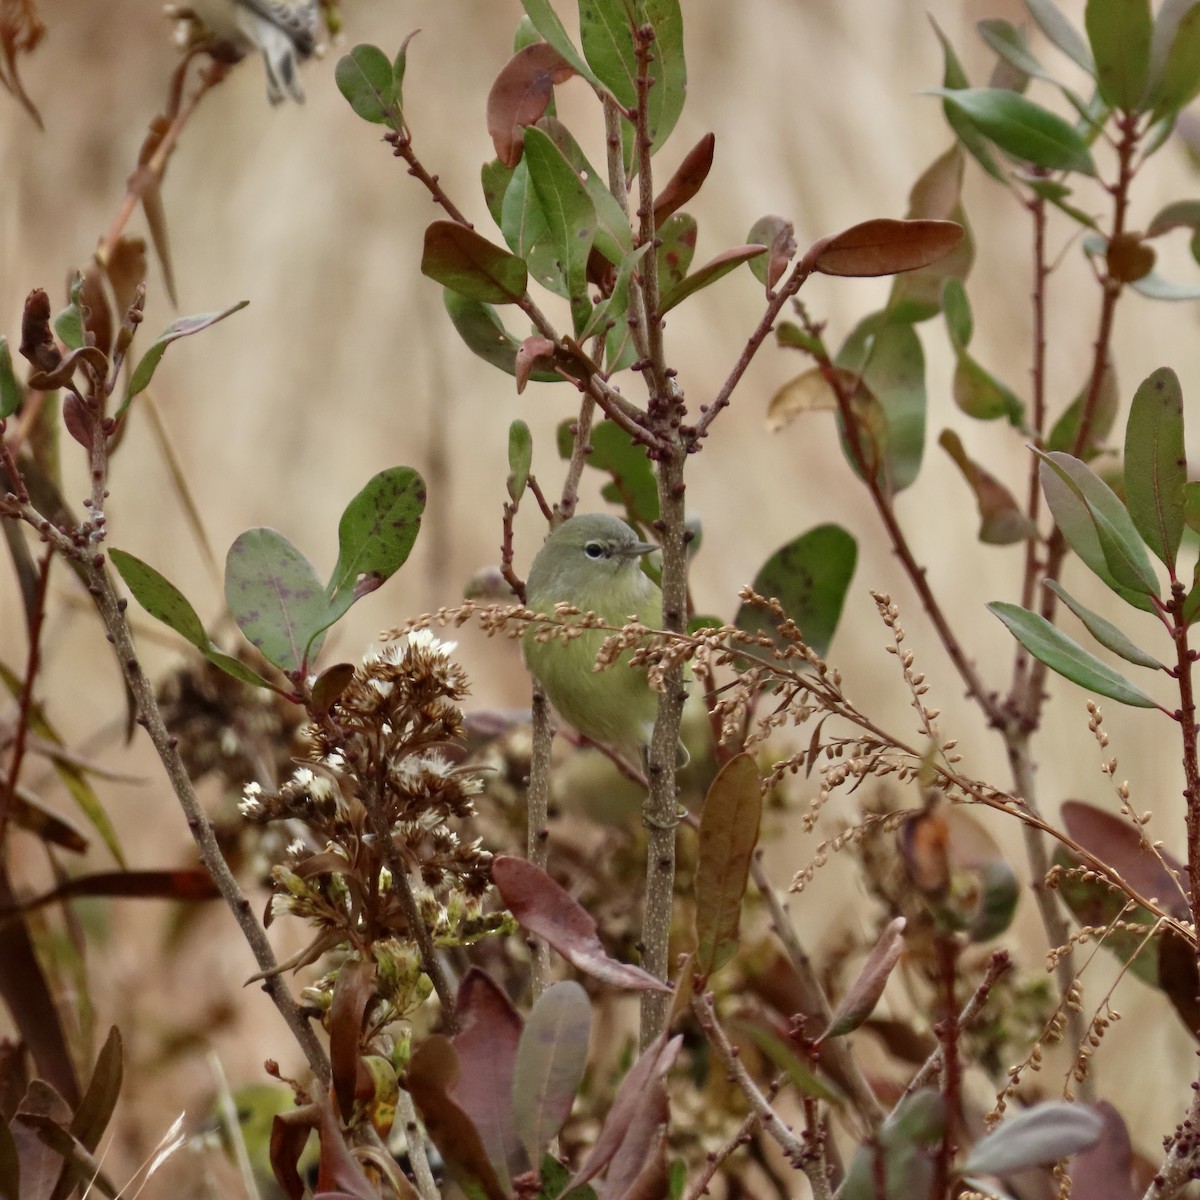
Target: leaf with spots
1156, 465
275, 597
375, 537
809, 577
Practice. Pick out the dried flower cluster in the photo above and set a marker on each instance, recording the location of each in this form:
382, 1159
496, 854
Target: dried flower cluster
378, 866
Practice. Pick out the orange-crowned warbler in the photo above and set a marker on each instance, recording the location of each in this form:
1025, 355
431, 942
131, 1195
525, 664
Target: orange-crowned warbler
594, 563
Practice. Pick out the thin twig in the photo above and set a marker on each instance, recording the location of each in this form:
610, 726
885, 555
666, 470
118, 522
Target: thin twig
417, 1155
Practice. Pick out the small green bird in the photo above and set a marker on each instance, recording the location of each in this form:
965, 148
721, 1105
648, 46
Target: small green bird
594, 563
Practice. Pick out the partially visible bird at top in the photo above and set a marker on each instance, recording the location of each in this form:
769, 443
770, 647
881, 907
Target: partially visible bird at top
284, 31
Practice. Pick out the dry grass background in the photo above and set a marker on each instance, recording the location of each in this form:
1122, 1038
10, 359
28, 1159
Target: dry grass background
344, 364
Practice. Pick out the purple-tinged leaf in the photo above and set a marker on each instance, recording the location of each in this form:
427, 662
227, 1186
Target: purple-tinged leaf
548, 912
859, 1001
1105, 1170
550, 1062
631, 1107
432, 1074
638, 1169
489, 1031
1038, 1136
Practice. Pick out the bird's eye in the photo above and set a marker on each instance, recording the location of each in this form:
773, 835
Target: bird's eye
594, 550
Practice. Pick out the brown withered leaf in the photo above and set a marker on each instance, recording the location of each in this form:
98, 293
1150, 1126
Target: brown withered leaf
521, 94
126, 267
1002, 521
338, 1171
883, 247
290, 1132
37, 340
810, 391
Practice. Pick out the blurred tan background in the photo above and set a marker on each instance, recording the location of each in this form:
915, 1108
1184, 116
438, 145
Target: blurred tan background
344, 363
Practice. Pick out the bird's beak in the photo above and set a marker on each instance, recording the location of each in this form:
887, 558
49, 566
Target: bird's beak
640, 548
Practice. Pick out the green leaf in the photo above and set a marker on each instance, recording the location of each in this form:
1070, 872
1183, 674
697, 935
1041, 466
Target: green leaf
1175, 57
712, 270
1156, 464
10, 389
520, 459
69, 323
166, 603
570, 217
606, 33
1061, 32
898, 1155
799, 1074
275, 597
467, 263
1074, 518
494, 178
1009, 43
953, 79
614, 236
1123, 550
375, 537
184, 327
551, 1058
676, 238
481, 329
1039, 1136
1061, 654
1105, 632
892, 365
1066, 429
1022, 128
526, 229
400, 65
809, 576
1154, 287
1119, 32
729, 826
981, 395
957, 311
616, 454
367, 80
1191, 506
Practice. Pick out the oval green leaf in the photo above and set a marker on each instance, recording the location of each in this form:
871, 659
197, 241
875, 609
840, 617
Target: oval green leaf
366, 79
1105, 632
1156, 464
1119, 32
1066, 657
467, 263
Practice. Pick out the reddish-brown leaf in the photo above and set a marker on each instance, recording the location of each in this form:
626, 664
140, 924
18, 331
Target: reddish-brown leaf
548, 912
432, 1072
98, 318
883, 247
489, 1030
47, 381
924, 841
467, 263
1105, 1171
126, 268
183, 884
687, 180
639, 1170
352, 992
520, 96
1180, 979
